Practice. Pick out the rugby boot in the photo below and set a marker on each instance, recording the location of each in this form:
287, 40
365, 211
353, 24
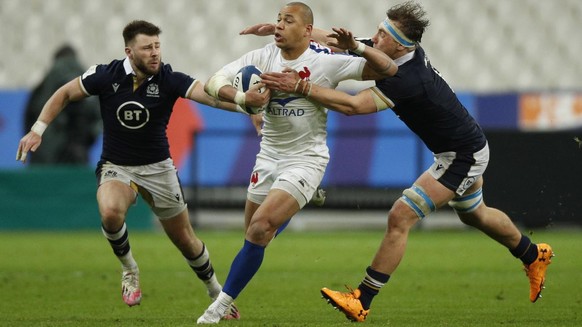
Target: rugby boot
536, 271
348, 303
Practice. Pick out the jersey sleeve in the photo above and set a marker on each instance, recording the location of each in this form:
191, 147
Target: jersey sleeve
343, 67
181, 84
92, 80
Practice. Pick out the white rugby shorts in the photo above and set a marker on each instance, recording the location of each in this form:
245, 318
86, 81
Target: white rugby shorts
157, 183
298, 176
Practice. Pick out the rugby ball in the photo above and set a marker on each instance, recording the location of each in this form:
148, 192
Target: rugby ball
244, 79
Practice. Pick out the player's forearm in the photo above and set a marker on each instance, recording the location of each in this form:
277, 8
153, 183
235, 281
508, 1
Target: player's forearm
363, 103
378, 64
59, 100
330, 98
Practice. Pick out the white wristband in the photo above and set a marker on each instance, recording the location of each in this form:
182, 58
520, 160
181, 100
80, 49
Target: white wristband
359, 49
240, 98
39, 127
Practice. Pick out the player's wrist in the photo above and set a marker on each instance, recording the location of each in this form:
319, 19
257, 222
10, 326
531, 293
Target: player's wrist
359, 49
39, 127
304, 88
240, 98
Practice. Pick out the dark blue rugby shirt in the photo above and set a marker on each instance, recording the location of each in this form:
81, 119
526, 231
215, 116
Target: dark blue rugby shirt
134, 123
429, 107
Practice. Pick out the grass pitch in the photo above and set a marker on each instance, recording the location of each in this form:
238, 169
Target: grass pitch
452, 278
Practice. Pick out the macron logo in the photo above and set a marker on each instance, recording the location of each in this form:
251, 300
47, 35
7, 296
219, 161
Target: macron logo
115, 87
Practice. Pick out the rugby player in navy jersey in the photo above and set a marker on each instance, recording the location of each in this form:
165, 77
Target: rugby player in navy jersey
137, 95
423, 100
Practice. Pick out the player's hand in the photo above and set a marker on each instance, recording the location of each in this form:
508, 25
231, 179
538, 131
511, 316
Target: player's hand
30, 142
286, 81
258, 95
262, 29
257, 121
344, 39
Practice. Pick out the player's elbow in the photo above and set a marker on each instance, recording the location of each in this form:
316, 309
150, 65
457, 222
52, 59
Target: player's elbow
352, 108
390, 70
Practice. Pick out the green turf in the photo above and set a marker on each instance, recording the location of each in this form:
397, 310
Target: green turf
454, 278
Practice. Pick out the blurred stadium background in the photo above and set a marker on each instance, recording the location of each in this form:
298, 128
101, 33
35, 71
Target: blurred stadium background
514, 64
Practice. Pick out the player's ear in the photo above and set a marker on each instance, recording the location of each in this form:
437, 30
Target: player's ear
128, 52
308, 30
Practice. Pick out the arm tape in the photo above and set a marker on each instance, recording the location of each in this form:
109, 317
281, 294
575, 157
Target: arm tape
381, 101
360, 48
216, 82
39, 127
240, 98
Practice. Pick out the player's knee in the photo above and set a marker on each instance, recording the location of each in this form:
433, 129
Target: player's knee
416, 199
112, 216
400, 220
260, 230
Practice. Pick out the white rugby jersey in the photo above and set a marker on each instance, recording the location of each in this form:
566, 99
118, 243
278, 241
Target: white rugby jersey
293, 125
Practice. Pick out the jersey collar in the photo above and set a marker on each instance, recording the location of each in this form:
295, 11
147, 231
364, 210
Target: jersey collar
129, 70
404, 59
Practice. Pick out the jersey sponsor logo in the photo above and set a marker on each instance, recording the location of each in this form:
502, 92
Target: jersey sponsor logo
283, 101
133, 115
285, 112
153, 90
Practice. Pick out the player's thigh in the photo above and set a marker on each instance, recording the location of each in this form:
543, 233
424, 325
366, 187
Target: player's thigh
114, 198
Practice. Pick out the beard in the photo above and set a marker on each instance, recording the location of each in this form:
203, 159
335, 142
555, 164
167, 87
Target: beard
144, 68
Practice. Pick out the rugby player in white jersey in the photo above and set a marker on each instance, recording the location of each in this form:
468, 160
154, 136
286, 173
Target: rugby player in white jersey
294, 153
137, 95
423, 100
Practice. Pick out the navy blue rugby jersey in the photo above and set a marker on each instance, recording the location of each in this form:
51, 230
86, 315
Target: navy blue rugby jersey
429, 107
135, 122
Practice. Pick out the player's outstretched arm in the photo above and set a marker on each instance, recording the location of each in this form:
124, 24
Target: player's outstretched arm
199, 95
378, 64
69, 92
368, 101
261, 29
220, 87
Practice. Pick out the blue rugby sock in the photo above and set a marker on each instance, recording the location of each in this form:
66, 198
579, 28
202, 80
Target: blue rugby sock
282, 227
244, 266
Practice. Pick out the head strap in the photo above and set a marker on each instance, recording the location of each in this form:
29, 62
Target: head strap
396, 33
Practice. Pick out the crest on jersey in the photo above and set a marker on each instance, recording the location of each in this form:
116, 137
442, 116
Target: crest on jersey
153, 90
305, 74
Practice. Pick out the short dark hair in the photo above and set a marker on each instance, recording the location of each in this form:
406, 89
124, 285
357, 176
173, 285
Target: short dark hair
411, 19
136, 27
